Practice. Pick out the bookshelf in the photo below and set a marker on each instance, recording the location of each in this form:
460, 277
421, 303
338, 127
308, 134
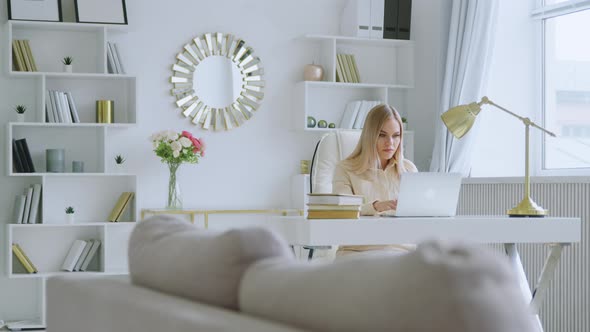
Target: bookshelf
386, 68
92, 193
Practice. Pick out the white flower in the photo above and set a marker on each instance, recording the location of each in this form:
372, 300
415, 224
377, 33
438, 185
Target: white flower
185, 142
156, 144
176, 147
171, 135
176, 153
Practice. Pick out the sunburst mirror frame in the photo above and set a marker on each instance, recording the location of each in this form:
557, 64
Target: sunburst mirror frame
251, 94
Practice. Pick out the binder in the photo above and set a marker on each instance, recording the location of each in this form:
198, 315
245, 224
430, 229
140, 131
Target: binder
390, 19
356, 19
404, 19
16, 160
377, 18
25, 154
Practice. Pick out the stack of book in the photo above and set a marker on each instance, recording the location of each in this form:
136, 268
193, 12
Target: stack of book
122, 203
24, 260
346, 69
21, 157
22, 56
333, 206
80, 255
26, 207
60, 107
114, 63
355, 113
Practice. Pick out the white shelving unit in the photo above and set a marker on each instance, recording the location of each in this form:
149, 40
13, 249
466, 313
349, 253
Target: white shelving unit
93, 193
386, 68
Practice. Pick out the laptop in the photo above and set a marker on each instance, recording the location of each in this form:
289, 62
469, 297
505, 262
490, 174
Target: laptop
428, 195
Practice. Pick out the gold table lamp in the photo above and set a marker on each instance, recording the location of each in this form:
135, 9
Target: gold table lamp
460, 119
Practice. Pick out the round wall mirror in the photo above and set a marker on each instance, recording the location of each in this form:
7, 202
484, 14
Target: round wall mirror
217, 81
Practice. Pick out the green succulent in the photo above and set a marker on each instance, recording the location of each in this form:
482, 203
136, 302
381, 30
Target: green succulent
68, 60
70, 210
20, 109
119, 159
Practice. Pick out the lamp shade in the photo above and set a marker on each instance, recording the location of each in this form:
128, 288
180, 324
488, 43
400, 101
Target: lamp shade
460, 119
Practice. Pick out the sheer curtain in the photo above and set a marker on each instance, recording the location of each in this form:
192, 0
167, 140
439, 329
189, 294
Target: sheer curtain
471, 38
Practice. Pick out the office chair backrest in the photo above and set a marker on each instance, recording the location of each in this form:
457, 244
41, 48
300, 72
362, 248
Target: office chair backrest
332, 148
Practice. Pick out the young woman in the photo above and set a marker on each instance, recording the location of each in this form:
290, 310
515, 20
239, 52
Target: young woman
373, 169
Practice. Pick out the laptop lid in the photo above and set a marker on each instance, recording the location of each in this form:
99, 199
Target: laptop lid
428, 194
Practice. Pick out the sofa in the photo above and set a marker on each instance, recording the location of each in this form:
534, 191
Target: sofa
182, 278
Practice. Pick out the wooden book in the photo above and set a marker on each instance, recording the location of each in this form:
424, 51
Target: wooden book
18, 59
23, 259
30, 55
333, 214
120, 206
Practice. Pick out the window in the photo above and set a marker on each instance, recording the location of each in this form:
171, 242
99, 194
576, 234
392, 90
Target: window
566, 84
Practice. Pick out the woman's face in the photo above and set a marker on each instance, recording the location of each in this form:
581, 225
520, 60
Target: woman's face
389, 139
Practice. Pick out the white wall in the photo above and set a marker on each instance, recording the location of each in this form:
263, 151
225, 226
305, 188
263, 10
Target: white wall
248, 167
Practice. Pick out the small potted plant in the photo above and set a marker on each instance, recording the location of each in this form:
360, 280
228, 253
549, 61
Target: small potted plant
70, 215
67, 61
119, 160
405, 123
20, 112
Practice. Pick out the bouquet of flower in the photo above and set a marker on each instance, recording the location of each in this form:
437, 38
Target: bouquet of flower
176, 148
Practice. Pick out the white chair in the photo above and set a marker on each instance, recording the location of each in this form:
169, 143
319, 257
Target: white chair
331, 149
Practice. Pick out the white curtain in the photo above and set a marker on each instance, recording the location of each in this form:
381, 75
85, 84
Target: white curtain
471, 38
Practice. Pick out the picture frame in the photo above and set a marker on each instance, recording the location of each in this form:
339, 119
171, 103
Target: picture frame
101, 11
35, 10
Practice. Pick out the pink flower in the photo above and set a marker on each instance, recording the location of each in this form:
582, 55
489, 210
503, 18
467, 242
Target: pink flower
199, 146
187, 134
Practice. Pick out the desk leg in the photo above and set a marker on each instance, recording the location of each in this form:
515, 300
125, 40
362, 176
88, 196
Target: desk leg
546, 276
516, 265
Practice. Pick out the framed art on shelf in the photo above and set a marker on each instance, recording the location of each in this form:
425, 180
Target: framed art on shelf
101, 11
27, 10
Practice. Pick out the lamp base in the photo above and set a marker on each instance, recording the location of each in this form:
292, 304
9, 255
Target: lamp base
527, 208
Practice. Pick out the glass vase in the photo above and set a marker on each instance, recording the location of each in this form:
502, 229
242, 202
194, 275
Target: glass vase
174, 197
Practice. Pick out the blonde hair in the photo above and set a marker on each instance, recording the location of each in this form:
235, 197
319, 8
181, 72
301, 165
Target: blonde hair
365, 154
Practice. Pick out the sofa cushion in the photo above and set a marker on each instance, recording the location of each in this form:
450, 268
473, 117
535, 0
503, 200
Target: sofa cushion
438, 287
176, 257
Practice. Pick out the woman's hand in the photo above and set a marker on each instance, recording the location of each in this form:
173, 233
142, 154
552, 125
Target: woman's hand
381, 206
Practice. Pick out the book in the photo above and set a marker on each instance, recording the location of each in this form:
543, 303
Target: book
91, 255
118, 58
35, 204
26, 257
332, 207
30, 55
83, 255
73, 108
349, 115
311, 214
16, 159
23, 259
336, 199
29, 199
19, 208
73, 255
23, 51
56, 106
120, 206
360, 115
112, 69
22, 144
353, 72
65, 107
356, 69
126, 205
49, 108
19, 60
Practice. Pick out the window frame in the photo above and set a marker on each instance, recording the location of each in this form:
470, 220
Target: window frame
541, 14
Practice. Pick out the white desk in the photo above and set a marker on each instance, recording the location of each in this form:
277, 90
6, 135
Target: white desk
556, 232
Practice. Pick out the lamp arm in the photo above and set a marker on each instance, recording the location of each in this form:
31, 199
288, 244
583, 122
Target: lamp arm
526, 121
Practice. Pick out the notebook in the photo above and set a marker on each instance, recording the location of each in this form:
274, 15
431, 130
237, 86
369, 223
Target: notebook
428, 195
